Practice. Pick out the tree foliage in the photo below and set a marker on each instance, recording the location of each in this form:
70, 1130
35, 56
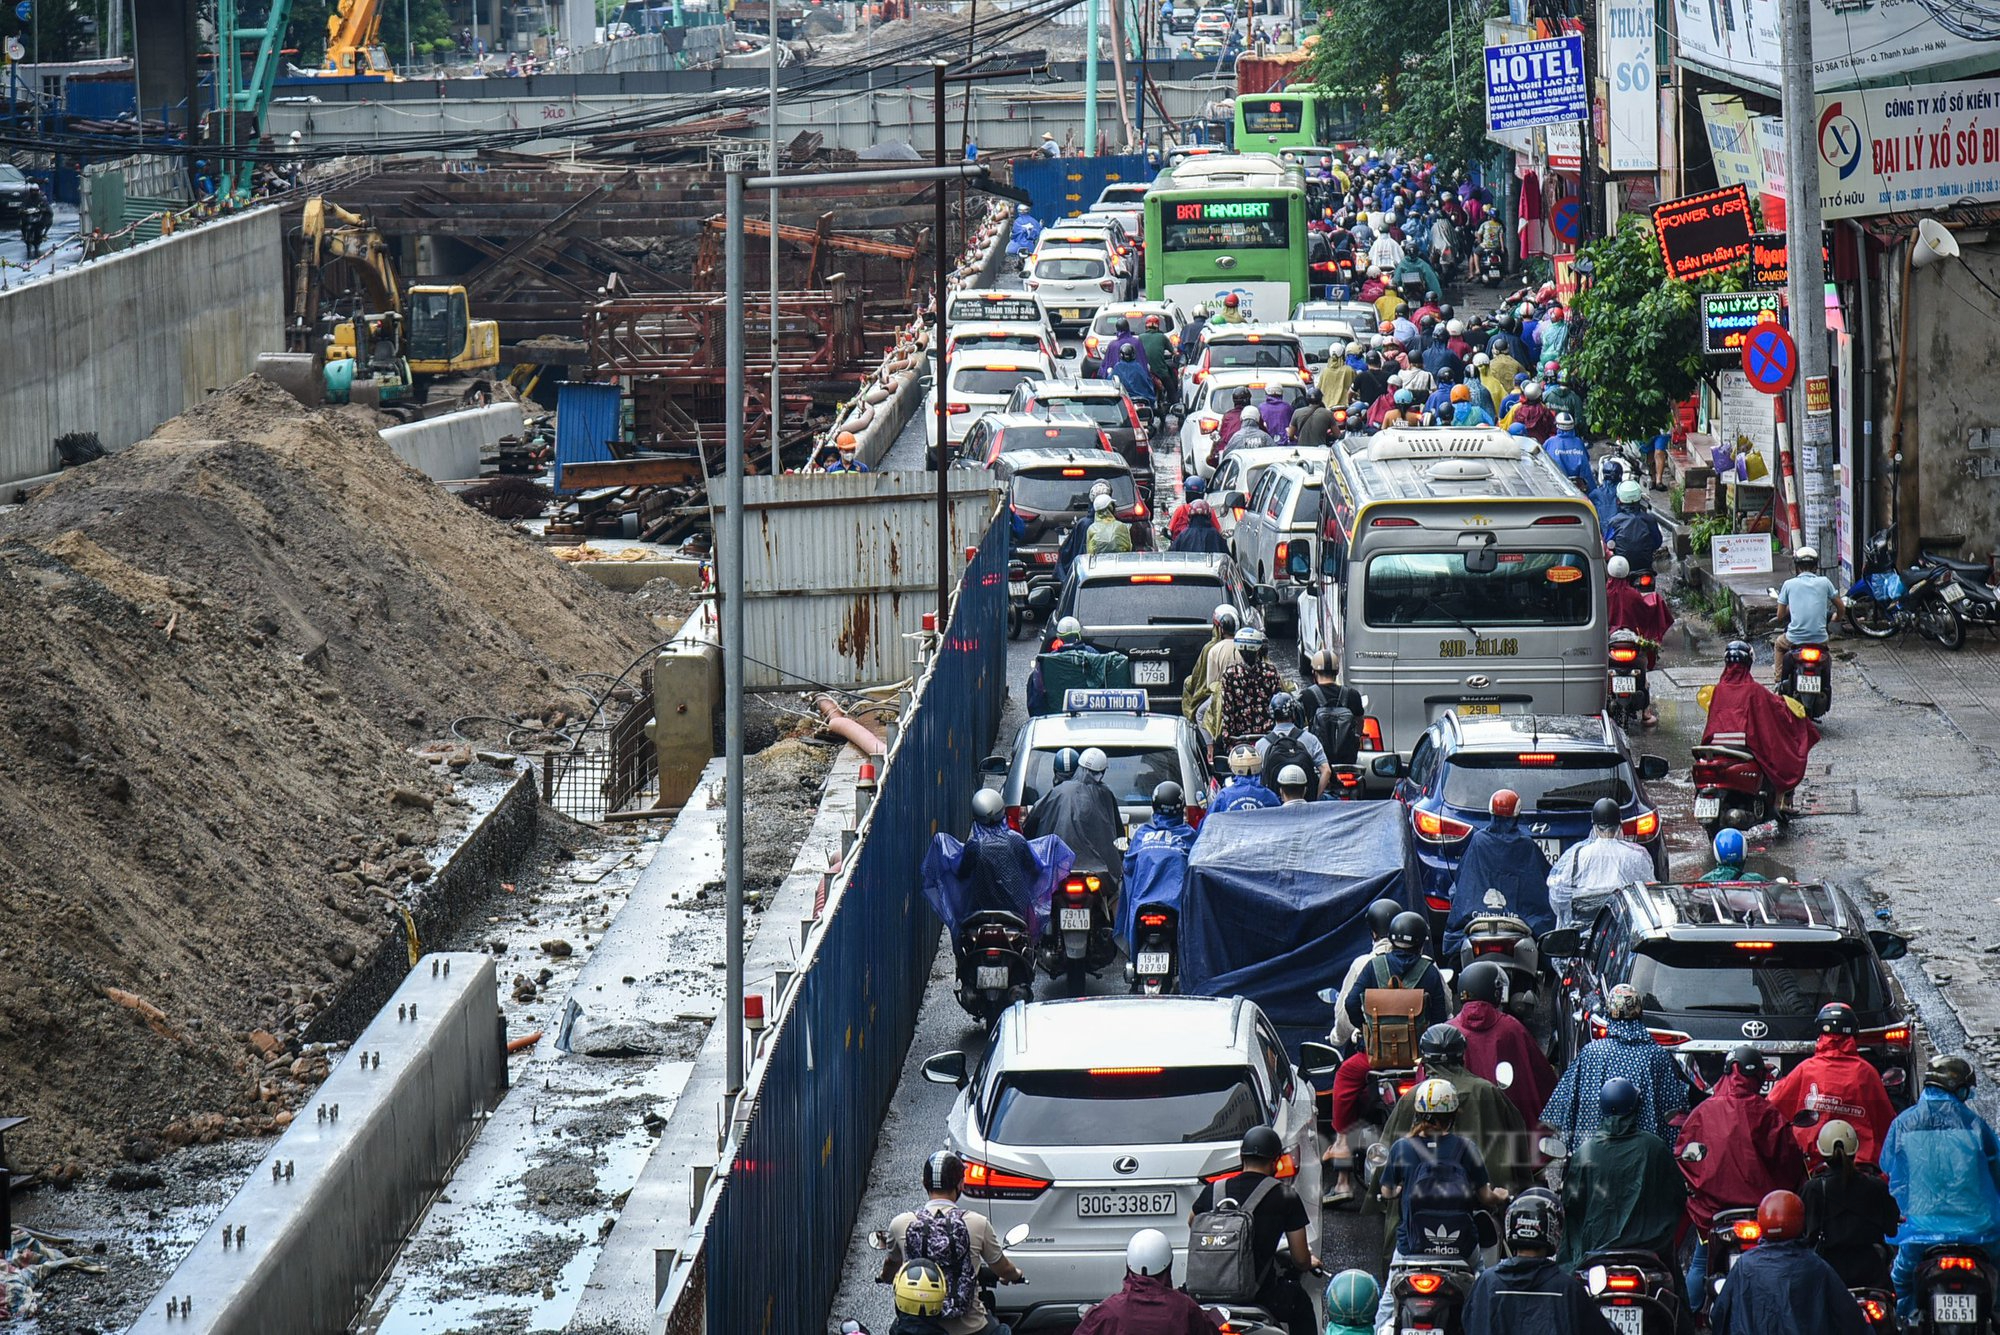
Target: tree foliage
1413, 73
54, 29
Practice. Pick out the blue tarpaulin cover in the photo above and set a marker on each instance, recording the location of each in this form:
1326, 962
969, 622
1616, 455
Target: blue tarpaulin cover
952, 885
1276, 904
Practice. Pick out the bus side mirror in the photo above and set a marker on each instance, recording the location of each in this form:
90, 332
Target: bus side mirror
1329, 561
1298, 560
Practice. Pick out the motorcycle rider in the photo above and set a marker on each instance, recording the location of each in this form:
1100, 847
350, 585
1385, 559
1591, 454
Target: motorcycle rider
1294, 785
1026, 233
1604, 496
1736, 1149
1148, 1304
1231, 312
1626, 1051
1432, 1183
958, 1241
1232, 421
1003, 866
1084, 814
1275, 412
1245, 790
1633, 533
1129, 372
1499, 860
1812, 600
1743, 714
1730, 851
1850, 1211
1620, 1189
1121, 338
920, 1296
1351, 1296
1493, 1036
1485, 1116
1943, 1164
1107, 533
1780, 1285
1222, 624
1192, 489
1528, 1291
1169, 824
1250, 434
1837, 1081
1591, 869
1627, 607
1077, 535
1531, 414
1279, 1217
1404, 962
1569, 451
1159, 351
1247, 687
1291, 741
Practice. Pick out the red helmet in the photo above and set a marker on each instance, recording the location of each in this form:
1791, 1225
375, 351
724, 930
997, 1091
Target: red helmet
1231, 300
1505, 802
1781, 1215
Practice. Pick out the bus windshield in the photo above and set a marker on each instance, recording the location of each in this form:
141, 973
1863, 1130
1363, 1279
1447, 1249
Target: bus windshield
1434, 589
1225, 224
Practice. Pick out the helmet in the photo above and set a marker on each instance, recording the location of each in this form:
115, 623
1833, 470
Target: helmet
1442, 1045
1201, 311
1461, 394
1433, 297
1434, 1099
1154, 322
1066, 763
1169, 801
1250, 640
1284, 707
1404, 398
1232, 301
1323, 663
1351, 1299
1781, 1215
1838, 1138
1525, 310
1605, 814
1123, 326
1953, 1075
1380, 914
1729, 847
1618, 1098
1241, 398
1551, 368
1069, 628
1093, 760
1806, 556
1454, 327
1564, 421
1738, 651
1481, 359
1243, 759
1837, 1017
988, 807
1128, 352
1023, 208
1099, 488
1746, 1059
920, 1289
1505, 802
1225, 614
1483, 981
1625, 1003
1291, 776
1408, 931
1149, 1253
1446, 311
1611, 470
1534, 1219
1630, 491
944, 1171
1261, 1142
1506, 319
1532, 391
1192, 488
1353, 350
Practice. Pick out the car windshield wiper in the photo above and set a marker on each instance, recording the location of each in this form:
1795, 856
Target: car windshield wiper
1446, 613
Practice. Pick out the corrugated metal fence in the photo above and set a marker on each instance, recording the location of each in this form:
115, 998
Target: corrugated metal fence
776, 1235
587, 424
1065, 187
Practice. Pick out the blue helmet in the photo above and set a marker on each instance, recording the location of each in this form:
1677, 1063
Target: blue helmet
1193, 487
1066, 761
1618, 1098
1729, 847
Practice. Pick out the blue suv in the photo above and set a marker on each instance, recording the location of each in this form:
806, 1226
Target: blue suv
1560, 764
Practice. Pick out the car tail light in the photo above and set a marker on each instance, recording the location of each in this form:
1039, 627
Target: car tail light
1151, 579
1090, 345
1438, 903
1556, 519
1126, 1070
1072, 472
1106, 284
1747, 1230
1756, 945
1669, 1038
1194, 816
1034, 283
1200, 375
1536, 758
1288, 1166
1206, 425
1132, 415
1013, 818
956, 408
1392, 521
1423, 1281
1624, 653
1895, 1036
1435, 829
1138, 509
1811, 653
1078, 885
1642, 826
1105, 440
1284, 550
985, 1182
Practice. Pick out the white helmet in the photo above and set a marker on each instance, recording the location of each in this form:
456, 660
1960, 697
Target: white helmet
1618, 568
1481, 359
1225, 614
1454, 327
1069, 628
1094, 760
1354, 349
1565, 421
1840, 1136
1291, 776
1020, 208
1434, 1096
1630, 492
1806, 556
1102, 504
1149, 1253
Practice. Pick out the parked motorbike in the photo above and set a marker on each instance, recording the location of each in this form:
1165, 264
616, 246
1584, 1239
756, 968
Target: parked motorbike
1155, 969
1017, 598
1884, 602
1980, 603
1080, 936
994, 965
1732, 789
1955, 1286
1630, 696
1807, 677
1634, 1293
1878, 1310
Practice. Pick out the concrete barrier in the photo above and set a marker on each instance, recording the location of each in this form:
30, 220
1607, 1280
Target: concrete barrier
121, 344
687, 702
446, 449
303, 1241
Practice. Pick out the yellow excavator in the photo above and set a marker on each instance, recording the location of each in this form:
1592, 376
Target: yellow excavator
354, 43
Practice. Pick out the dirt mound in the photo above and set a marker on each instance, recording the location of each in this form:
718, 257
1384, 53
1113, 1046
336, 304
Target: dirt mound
221, 644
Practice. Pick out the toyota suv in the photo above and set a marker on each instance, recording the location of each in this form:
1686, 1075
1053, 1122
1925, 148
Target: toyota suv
1154, 608
1089, 1119
1720, 965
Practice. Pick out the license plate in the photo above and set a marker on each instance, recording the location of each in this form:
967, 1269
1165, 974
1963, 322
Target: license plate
991, 975
1125, 1204
1551, 848
1017, 588
1488, 709
1706, 807
1952, 594
1075, 920
1154, 962
1070, 313
1150, 673
1624, 1320
1624, 685
1958, 1307
1809, 685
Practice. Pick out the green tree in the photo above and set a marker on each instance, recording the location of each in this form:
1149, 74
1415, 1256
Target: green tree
54, 29
306, 31
1414, 74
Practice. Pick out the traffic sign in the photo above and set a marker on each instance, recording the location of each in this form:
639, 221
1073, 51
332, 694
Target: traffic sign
24, 10
1567, 220
1770, 358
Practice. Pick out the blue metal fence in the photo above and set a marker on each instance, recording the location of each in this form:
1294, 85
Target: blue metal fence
777, 1237
587, 424
1065, 187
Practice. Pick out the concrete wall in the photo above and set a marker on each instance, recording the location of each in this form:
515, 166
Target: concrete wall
1952, 407
687, 705
119, 345
447, 448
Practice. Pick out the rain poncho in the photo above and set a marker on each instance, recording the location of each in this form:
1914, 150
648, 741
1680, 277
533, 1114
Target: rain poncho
995, 868
1155, 874
1587, 873
1493, 1036
1499, 857
1147, 1305
1524, 1293
1747, 1150
1633, 532
1134, 377
1626, 1051
1200, 534
1782, 1288
1744, 714
1243, 792
1837, 1081
1644, 614
1535, 419
1276, 414
1025, 233
1083, 813
1943, 1163
1194, 689
1569, 453
1620, 1193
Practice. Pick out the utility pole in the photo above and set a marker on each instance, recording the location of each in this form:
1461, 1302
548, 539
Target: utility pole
941, 380
1090, 78
1806, 289
1587, 180
777, 404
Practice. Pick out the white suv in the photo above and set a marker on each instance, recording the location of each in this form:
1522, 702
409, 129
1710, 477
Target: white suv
1282, 509
1090, 1119
1073, 282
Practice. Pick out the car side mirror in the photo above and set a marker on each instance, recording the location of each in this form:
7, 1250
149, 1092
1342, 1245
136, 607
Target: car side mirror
1330, 995
1319, 1059
1264, 595
1387, 767
1888, 945
1653, 768
1564, 941
995, 765
945, 1068
1298, 560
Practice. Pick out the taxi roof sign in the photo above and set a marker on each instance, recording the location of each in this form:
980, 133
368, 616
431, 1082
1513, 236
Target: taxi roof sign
1103, 700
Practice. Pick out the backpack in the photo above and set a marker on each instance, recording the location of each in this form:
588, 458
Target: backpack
1222, 1261
1392, 1015
1335, 723
941, 1236
1438, 1201
1286, 749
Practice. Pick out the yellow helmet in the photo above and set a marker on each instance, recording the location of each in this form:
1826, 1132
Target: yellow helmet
920, 1289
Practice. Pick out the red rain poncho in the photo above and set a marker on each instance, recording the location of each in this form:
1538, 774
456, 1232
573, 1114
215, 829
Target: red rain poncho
1749, 1151
1492, 1036
1743, 713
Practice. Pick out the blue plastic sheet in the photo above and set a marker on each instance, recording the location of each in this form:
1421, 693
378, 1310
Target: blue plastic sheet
951, 886
1159, 874
1276, 904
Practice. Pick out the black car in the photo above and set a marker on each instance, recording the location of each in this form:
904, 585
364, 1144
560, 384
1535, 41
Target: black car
1154, 608
1105, 404
1722, 964
1049, 491
15, 190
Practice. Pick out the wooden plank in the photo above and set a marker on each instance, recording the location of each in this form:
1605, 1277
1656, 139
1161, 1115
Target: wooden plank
645, 471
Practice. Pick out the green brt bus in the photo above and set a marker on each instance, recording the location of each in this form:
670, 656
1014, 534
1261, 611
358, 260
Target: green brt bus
1228, 223
1267, 122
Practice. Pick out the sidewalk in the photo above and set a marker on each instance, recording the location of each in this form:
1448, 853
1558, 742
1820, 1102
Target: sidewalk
1963, 686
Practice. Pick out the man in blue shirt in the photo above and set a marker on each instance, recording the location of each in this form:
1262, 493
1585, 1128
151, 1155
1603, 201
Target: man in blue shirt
1435, 1180
1812, 599
1569, 451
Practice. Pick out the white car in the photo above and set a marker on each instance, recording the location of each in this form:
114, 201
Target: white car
1357, 315
1105, 327
1089, 1119
1320, 340
1281, 509
981, 379
1210, 403
964, 334
1125, 201
999, 306
1066, 236
1212, 23
1125, 242
1240, 471
1073, 282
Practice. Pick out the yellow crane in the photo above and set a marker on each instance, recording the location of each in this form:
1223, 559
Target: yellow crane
354, 43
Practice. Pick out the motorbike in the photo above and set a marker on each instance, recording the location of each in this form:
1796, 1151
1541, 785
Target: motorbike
1634, 1293
1081, 940
1878, 1310
1732, 789
36, 219
1507, 941
1980, 603
1429, 1295
1630, 697
882, 1240
1017, 598
1154, 969
1954, 1291
994, 968
1884, 602
1732, 1233
1490, 265
1347, 783
1808, 678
